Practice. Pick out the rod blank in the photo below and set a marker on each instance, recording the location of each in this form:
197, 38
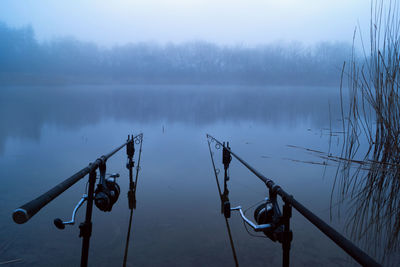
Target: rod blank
28, 210
360, 256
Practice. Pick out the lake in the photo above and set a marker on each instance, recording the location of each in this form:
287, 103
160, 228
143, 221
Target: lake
49, 133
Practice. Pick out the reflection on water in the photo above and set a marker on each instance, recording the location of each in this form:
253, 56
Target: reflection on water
75, 107
49, 133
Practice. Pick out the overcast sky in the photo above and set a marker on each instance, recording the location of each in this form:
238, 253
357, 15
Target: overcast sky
246, 22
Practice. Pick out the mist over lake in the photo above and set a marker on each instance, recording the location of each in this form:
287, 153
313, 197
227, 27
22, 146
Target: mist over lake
280, 81
55, 131
66, 60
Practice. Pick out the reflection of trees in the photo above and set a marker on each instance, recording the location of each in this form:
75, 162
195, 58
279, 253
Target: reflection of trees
24, 111
369, 172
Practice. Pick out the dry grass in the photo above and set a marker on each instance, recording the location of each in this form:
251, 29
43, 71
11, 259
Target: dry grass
369, 179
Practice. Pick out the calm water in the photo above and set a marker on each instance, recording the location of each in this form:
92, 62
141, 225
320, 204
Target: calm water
48, 133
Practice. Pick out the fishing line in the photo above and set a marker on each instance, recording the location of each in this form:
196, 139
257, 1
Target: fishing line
87, 184
253, 235
276, 224
245, 226
216, 172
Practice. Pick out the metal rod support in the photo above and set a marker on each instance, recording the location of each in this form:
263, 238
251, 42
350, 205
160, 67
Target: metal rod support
132, 193
287, 234
228, 228
356, 253
86, 227
138, 162
29, 209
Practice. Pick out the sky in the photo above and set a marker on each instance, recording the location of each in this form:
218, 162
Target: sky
225, 22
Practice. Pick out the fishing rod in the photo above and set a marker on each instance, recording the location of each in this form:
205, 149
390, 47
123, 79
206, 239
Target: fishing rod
224, 197
132, 193
104, 196
276, 225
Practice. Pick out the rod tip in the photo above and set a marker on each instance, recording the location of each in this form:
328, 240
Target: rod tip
20, 216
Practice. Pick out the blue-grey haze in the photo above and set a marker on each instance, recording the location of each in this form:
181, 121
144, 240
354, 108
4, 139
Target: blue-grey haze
51, 132
23, 60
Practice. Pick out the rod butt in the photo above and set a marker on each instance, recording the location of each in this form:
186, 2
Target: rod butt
20, 216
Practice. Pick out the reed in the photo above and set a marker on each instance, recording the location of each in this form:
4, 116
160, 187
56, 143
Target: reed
368, 176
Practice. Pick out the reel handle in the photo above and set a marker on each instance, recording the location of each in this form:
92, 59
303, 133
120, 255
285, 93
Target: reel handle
256, 227
60, 224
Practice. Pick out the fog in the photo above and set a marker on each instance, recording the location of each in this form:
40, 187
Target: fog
76, 79
224, 22
74, 107
24, 60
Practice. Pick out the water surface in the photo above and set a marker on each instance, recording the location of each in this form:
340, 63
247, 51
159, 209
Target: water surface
48, 133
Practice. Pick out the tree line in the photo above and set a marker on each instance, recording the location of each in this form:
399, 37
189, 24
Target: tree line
25, 60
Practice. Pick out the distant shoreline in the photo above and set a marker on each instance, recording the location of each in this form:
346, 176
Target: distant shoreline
28, 79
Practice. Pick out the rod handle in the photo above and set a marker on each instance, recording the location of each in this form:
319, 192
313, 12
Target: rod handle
25, 212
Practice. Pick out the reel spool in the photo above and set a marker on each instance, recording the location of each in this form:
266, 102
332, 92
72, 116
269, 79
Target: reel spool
106, 195
269, 213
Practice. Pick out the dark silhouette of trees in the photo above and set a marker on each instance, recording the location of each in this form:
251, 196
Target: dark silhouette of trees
66, 60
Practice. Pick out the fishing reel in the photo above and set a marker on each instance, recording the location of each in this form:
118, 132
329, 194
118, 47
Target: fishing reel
269, 213
105, 197
107, 193
268, 217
